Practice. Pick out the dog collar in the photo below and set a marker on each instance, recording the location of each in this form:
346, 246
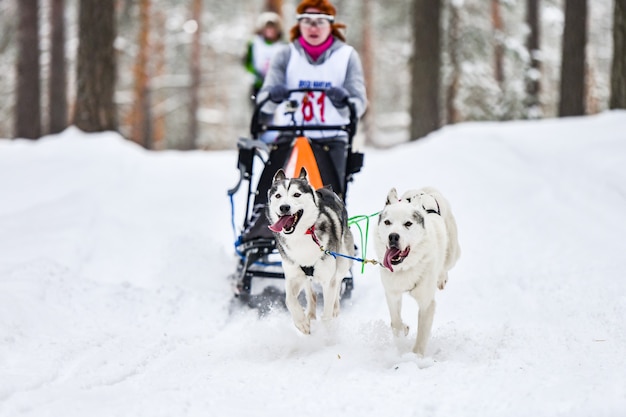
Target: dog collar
311, 231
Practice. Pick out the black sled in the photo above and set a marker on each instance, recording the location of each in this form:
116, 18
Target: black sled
257, 163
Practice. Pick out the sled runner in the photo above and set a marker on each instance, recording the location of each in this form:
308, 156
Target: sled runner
329, 162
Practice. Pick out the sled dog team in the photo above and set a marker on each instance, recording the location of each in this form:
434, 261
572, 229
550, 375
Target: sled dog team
415, 240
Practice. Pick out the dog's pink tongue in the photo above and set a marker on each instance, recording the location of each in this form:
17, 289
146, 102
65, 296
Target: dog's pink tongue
280, 224
389, 255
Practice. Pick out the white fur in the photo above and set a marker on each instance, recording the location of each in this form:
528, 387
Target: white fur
299, 249
434, 250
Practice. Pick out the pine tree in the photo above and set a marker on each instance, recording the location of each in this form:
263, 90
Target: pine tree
141, 120
96, 67
618, 70
425, 70
57, 106
572, 100
533, 79
28, 105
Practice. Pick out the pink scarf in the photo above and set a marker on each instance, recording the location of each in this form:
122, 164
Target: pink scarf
316, 51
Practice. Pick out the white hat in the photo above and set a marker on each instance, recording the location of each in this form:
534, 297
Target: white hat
266, 18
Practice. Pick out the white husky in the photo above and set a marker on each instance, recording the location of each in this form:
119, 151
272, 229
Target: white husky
304, 221
417, 239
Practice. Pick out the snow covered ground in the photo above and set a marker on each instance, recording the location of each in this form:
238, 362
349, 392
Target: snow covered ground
114, 299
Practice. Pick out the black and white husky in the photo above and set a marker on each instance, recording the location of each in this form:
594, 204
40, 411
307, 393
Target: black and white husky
417, 239
307, 225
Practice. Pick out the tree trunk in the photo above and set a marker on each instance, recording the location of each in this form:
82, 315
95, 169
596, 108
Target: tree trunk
194, 87
28, 105
368, 69
452, 112
498, 30
141, 130
57, 106
95, 109
533, 75
159, 71
572, 100
275, 6
618, 69
425, 71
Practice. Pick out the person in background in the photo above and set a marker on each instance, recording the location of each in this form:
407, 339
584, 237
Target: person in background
267, 41
317, 56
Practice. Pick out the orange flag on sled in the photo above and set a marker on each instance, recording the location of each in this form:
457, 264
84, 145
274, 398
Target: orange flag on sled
302, 156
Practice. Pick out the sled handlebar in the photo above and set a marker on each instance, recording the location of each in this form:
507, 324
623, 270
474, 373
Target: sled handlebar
258, 125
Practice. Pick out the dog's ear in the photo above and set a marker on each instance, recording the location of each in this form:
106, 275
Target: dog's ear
279, 176
303, 173
411, 196
430, 204
392, 197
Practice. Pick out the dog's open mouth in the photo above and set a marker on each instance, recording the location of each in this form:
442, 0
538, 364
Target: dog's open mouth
286, 224
395, 256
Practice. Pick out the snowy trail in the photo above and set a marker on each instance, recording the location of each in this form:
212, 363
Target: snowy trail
113, 297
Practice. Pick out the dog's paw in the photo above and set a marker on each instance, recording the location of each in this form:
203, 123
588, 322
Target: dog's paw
399, 331
411, 360
442, 281
304, 326
442, 284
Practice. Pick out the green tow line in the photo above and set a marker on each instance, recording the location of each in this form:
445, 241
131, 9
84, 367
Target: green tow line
355, 220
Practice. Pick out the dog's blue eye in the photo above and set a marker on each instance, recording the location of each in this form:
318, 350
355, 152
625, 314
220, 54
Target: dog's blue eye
277, 195
297, 195
408, 224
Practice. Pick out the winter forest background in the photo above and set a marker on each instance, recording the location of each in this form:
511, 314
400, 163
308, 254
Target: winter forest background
180, 82
114, 296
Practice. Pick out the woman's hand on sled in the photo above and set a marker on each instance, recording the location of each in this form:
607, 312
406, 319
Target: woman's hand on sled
338, 96
278, 93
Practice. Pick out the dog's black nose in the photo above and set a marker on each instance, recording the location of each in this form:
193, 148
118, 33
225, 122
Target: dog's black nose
394, 239
284, 208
